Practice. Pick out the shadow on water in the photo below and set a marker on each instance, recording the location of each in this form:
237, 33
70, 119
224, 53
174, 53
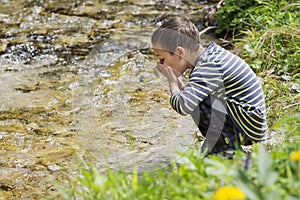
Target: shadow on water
79, 75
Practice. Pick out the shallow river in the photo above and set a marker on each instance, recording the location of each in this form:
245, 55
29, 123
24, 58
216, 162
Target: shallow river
78, 80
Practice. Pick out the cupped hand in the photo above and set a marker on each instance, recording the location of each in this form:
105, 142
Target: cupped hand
173, 77
168, 72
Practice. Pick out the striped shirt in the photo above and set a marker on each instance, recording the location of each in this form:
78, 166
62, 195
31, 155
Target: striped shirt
220, 73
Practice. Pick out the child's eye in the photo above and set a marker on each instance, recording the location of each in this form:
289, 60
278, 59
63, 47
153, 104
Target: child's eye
161, 61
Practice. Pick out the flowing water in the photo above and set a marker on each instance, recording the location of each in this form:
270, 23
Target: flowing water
79, 76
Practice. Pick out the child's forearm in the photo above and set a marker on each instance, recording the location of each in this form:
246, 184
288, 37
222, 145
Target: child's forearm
174, 87
177, 85
181, 84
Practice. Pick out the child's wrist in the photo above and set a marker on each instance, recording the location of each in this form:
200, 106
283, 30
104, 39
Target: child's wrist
174, 86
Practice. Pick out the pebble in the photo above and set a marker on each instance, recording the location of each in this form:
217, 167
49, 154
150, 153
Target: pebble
53, 167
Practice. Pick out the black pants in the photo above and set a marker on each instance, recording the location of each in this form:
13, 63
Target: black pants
215, 124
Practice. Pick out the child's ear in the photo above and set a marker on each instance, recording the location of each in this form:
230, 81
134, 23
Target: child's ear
180, 51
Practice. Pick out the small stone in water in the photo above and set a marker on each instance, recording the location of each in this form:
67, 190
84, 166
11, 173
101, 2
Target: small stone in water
53, 167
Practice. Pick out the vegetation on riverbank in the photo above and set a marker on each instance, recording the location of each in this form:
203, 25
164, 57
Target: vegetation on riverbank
267, 36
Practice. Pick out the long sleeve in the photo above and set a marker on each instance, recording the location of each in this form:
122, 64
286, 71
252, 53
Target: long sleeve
204, 79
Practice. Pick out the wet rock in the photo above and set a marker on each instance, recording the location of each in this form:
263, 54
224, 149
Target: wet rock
3, 46
53, 167
73, 39
22, 53
27, 88
53, 155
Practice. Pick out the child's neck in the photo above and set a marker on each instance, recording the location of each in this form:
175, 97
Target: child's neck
193, 57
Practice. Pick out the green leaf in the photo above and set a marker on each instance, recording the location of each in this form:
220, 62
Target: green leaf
296, 86
249, 188
186, 162
215, 168
286, 119
134, 182
266, 175
286, 77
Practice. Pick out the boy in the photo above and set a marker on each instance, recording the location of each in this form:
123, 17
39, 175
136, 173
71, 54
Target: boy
223, 95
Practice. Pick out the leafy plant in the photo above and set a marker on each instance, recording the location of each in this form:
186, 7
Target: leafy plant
275, 175
229, 17
258, 14
268, 35
275, 49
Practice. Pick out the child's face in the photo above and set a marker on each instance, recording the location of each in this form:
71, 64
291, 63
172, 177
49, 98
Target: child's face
168, 59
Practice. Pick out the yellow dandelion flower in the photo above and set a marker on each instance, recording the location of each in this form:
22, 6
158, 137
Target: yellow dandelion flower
295, 155
229, 193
